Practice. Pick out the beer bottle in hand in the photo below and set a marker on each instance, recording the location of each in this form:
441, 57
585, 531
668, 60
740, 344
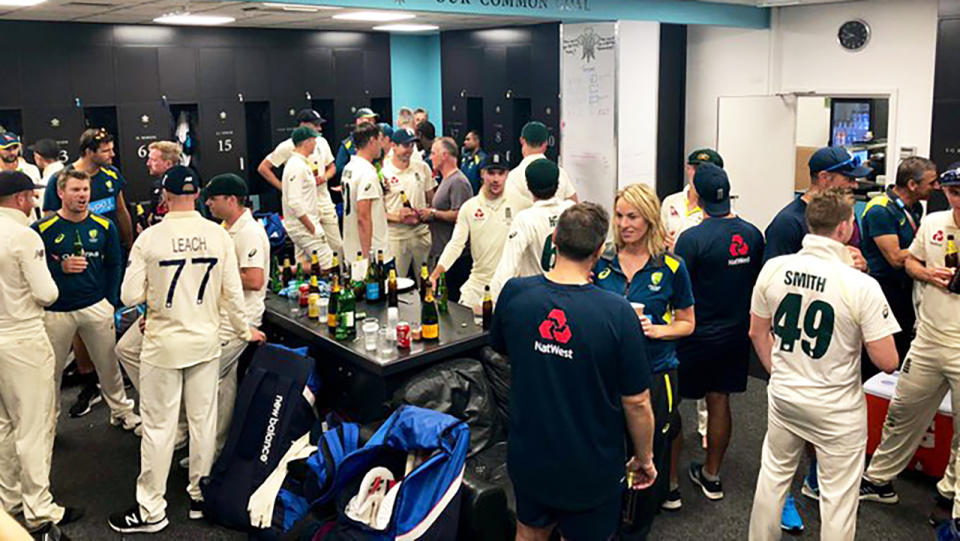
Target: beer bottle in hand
487, 308
346, 315
406, 202
429, 318
78, 245
392, 289
950, 259
372, 282
333, 307
424, 282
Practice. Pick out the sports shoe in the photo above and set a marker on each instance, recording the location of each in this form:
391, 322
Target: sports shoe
130, 521
196, 509
790, 519
129, 422
673, 501
184, 462
949, 530
810, 490
70, 514
870, 492
713, 490
88, 397
942, 510
49, 532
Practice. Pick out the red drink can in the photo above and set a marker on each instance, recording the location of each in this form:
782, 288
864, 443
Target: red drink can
304, 296
403, 335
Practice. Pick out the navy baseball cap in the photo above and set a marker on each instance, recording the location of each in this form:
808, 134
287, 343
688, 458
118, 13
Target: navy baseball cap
713, 189
181, 180
386, 129
951, 177
12, 182
837, 160
311, 116
8, 140
402, 136
495, 160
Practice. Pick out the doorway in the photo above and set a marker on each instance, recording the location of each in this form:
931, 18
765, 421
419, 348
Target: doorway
257, 118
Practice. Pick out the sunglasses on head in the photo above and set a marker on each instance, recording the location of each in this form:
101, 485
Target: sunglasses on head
851, 163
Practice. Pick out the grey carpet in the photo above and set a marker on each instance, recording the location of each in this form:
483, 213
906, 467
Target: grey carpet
96, 466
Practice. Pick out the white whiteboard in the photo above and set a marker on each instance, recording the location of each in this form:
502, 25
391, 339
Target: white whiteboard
588, 109
756, 135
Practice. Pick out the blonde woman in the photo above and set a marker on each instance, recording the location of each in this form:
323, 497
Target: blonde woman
658, 285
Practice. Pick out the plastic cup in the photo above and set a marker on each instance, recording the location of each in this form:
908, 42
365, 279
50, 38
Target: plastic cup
324, 309
638, 308
370, 328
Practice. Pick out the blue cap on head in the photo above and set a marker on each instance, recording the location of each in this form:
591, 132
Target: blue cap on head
713, 189
837, 160
8, 140
402, 136
951, 177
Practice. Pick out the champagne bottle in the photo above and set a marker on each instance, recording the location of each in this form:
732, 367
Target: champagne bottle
372, 282
314, 285
950, 258
315, 265
392, 290
357, 276
335, 266
424, 282
346, 316
487, 308
442, 293
429, 319
333, 307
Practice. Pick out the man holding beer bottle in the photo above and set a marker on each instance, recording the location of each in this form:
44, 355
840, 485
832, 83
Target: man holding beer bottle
928, 371
409, 186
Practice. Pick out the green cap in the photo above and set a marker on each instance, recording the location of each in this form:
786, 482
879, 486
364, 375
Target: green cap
226, 184
303, 133
535, 133
705, 155
542, 175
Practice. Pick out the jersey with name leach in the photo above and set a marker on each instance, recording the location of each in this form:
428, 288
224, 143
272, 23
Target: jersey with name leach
100, 243
574, 351
822, 311
105, 186
723, 257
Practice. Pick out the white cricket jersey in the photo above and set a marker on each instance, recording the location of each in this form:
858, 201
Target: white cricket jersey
361, 182
485, 223
252, 248
677, 214
299, 192
937, 318
415, 181
50, 170
822, 311
322, 157
185, 269
528, 250
517, 182
26, 285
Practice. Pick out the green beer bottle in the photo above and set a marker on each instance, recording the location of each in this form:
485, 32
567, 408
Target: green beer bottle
443, 295
78, 245
346, 315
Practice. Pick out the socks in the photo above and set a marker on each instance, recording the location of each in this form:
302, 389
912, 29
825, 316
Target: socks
711, 478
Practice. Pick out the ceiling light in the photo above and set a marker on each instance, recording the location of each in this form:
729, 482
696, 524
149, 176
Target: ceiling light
304, 8
21, 3
375, 16
189, 19
407, 27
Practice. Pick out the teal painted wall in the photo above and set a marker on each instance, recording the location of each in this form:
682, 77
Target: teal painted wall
415, 75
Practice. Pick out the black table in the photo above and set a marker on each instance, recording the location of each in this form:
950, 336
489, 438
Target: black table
357, 381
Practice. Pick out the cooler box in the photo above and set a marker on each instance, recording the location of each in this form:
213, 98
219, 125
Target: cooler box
933, 452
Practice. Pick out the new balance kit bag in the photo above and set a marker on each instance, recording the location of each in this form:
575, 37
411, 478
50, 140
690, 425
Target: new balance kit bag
404, 483
274, 408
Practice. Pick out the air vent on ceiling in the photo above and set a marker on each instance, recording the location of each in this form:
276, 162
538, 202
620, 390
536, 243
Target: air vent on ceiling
82, 4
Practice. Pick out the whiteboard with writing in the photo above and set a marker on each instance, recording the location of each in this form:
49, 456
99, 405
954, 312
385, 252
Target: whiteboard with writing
588, 150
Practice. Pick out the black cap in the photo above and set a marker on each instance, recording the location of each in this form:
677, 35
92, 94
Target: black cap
45, 147
226, 184
181, 180
12, 182
837, 160
713, 189
951, 177
542, 175
495, 160
311, 116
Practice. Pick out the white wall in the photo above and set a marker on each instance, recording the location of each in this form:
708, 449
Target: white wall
800, 53
813, 122
638, 82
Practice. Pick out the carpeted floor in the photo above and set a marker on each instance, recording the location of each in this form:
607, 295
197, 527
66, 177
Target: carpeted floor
96, 466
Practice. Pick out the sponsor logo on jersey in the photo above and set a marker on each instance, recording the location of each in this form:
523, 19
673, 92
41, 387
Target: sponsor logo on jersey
886, 311
603, 274
59, 239
271, 428
479, 215
937, 237
555, 329
38, 254
738, 251
394, 181
513, 234
252, 253
673, 212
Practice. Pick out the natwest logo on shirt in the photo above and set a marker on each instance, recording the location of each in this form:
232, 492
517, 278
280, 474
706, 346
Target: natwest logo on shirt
555, 329
479, 215
937, 237
738, 251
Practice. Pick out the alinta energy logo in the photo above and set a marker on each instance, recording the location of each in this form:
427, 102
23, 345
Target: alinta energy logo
739, 250
555, 329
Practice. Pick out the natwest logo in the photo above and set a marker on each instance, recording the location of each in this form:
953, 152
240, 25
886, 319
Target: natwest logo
738, 246
555, 327
938, 236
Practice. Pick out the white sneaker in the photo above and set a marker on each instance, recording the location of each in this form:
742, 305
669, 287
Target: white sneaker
129, 422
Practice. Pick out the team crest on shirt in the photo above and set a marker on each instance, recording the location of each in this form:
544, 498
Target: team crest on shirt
59, 239
109, 185
655, 281
937, 238
93, 234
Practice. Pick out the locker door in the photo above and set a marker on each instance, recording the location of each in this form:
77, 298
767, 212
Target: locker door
92, 75
46, 77
178, 73
137, 74
218, 76
223, 139
318, 65
252, 69
348, 64
62, 124
283, 112
140, 125
376, 70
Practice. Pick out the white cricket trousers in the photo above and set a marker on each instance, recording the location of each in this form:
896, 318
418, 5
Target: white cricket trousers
128, 351
95, 324
928, 372
840, 449
331, 229
27, 424
305, 244
161, 393
410, 251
